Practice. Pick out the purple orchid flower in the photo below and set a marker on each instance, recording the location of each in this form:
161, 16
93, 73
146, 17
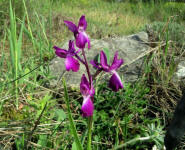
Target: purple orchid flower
88, 95
79, 32
70, 62
115, 82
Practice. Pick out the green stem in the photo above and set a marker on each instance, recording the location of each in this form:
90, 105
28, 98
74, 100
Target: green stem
133, 141
87, 67
72, 124
90, 122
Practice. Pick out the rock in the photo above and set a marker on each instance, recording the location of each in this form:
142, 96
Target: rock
181, 70
179, 75
128, 47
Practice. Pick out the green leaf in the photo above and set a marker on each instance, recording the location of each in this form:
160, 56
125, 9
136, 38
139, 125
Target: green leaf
107, 53
72, 123
74, 146
19, 43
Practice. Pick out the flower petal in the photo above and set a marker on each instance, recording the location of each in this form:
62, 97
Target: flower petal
72, 64
72, 27
103, 61
82, 39
115, 82
82, 24
87, 107
84, 86
60, 52
95, 64
116, 62
71, 47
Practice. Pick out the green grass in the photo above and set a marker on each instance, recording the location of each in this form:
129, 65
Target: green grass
28, 32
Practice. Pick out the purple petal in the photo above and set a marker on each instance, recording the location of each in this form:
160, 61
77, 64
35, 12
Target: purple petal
72, 27
103, 61
84, 86
84, 89
60, 52
72, 64
87, 107
95, 64
71, 47
116, 62
82, 24
81, 40
115, 82
84, 80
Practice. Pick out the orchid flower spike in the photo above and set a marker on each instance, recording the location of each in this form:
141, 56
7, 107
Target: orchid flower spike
115, 81
88, 95
79, 32
70, 62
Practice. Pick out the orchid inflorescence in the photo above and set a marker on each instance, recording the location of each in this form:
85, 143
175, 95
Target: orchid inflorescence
72, 60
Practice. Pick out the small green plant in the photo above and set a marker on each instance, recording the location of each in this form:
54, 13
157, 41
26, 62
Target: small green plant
152, 133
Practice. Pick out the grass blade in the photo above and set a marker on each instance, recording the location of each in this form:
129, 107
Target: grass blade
29, 26
19, 43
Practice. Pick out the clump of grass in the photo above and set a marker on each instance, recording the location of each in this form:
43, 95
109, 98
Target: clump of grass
15, 49
160, 69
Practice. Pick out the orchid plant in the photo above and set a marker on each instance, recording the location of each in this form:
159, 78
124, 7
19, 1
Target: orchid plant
73, 60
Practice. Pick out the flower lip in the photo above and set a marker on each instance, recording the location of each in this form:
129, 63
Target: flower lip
72, 64
87, 107
81, 39
115, 82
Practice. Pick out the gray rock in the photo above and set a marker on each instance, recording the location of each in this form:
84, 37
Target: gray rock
180, 73
181, 70
128, 47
